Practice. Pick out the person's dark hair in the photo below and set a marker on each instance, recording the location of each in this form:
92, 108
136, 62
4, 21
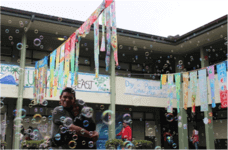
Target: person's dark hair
68, 90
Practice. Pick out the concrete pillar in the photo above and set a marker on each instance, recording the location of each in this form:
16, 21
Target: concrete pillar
20, 92
158, 125
182, 133
9, 129
208, 127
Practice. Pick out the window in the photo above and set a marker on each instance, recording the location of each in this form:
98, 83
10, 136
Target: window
149, 116
137, 115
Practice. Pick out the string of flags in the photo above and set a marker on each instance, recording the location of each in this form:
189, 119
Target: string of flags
64, 59
202, 83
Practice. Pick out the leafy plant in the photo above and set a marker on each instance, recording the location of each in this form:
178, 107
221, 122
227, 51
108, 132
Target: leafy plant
113, 143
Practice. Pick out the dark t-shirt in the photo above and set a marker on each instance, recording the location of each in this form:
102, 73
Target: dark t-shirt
80, 120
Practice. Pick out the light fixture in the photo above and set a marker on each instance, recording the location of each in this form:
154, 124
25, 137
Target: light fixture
61, 39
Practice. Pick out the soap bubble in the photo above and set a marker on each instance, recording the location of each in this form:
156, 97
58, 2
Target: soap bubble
17, 31
75, 137
146, 53
67, 122
102, 107
159, 61
180, 124
135, 48
127, 118
81, 102
83, 142
85, 123
41, 46
35, 31
37, 42
90, 144
180, 62
87, 112
72, 144
106, 117
7, 30
121, 46
62, 118
19, 46
174, 145
169, 117
45, 103
9, 21
44, 118
157, 147
1, 104
38, 118
63, 130
118, 67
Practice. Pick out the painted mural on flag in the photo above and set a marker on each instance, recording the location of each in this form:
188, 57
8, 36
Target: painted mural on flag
148, 88
9, 74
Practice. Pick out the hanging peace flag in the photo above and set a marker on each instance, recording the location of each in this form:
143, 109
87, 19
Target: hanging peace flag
170, 93
67, 62
103, 32
56, 71
203, 90
114, 35
72, 56
211, 74
108, 32
222, 79
52, 68
164, 78
193, 87
96, 47
42, 76
78, 39
35, 88
61, 63
178, 82
185, 89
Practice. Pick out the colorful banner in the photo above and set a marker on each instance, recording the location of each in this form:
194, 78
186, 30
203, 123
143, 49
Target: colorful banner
140, 87
203, 90
222, 79
72, 57
170, 93
178, 83
96, 47
103, 32
211, 74
164, 78
185, 89
56, 71
67, 62
61, 63
114, 34
78, 39
42, 79
108, 32
52, 69
35, 74
193, 87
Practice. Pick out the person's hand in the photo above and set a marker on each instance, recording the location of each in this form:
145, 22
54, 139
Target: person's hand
95, 136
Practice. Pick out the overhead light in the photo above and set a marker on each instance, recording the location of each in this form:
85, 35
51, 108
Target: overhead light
61, 39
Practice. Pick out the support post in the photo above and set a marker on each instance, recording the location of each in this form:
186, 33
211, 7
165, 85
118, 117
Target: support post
182, 133
112, 106
20, 93
208, 127
158, 125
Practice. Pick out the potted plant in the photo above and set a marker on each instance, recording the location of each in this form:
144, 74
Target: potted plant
2, 143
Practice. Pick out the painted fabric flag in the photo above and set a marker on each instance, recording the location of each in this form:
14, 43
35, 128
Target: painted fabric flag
193, 87
96, 47
42, 79
103, 32
78, 39
185, 89
85, 28
211, 74
164, 78
108, 32
114, 35
35, 88
178, 82
222, 79
72, 56
56, 71
61, 63
203, 90
52, 68
170, 93
67, 62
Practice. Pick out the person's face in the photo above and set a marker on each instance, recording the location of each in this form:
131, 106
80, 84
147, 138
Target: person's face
124, 125
67, 100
